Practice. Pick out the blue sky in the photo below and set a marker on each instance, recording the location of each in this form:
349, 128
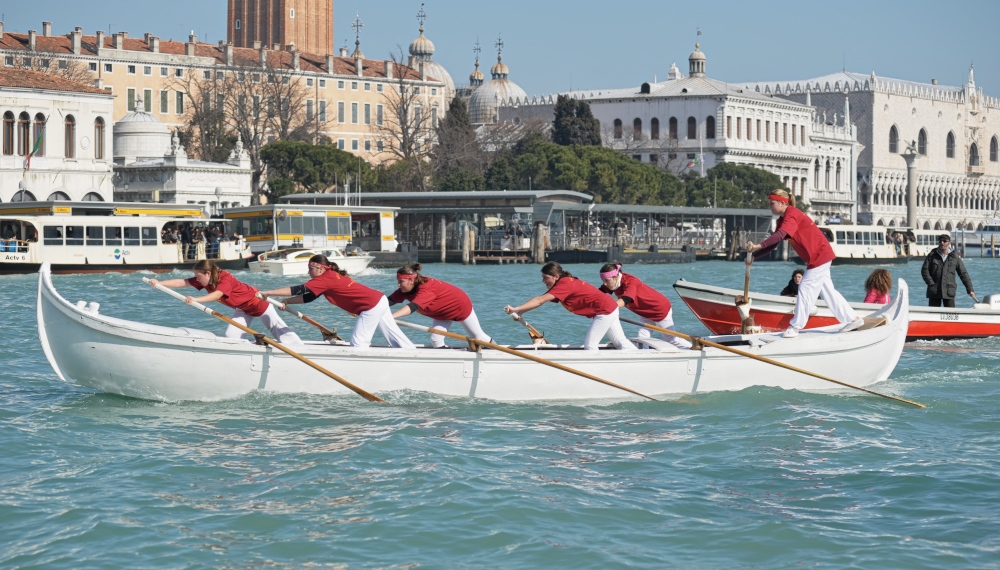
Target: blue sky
554, 46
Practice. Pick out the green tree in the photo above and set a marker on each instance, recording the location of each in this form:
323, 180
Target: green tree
457, 160
732, 186
303, 167
574, 123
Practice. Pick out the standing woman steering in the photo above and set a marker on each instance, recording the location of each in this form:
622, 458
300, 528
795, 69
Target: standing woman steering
580, 298
370, 306
813, 247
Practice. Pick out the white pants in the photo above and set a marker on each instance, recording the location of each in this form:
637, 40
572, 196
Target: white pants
471, 325
607, 325
816, 281
279, 330
667, 323
379, 317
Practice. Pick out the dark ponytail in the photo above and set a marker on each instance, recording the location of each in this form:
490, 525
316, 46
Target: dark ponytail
413, 269
331, 266
555, 270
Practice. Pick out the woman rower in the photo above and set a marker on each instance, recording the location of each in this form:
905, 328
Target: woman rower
813, 247
370, 306
436, 299
580, 298
231, 292
641, 299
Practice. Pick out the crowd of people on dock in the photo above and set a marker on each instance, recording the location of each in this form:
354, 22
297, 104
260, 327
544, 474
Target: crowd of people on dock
446, 303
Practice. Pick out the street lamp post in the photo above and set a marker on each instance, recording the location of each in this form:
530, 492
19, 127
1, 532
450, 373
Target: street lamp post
22, 187
218, 202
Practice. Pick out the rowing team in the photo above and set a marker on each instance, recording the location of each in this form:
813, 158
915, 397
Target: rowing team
442, 302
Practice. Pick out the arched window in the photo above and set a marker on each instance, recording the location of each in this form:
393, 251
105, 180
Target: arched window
837, 187
618, 128
23, 134
637, 129
994, 151
58, 195
710, 127
99, 138
70, 145
92, 197
39, 134
8, 133
893, 139
238, 23
23, 196
673, 128
974, 155
949, 147
827, 178
654, 130
922, 142
692, 128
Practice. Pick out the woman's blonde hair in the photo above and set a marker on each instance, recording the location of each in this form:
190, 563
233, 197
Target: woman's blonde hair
785, 194
879, 280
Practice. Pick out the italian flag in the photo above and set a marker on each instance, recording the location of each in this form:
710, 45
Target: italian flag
36, 148
693, 163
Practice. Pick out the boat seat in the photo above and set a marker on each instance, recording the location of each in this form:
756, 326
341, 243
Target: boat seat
655, 344
197, 332
871, 323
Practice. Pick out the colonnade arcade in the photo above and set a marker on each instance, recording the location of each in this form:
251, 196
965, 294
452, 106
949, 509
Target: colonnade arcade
943, 201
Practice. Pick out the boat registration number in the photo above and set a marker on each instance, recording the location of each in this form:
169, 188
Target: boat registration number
15, 257
949, 316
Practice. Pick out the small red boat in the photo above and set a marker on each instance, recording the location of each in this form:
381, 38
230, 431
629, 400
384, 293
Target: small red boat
716, 308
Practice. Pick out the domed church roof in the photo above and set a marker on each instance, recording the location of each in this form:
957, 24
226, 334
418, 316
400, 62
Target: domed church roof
486, 99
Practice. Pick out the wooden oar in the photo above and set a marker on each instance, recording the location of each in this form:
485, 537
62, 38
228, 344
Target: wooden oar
744, 307
368, 396
536, 336
699, 340
327, 333
533, 358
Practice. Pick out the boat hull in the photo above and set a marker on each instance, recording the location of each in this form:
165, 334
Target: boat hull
296, 261
715, 307
77, 268
168, 364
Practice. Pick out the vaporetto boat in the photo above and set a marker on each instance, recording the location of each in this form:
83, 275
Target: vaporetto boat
148, 361
98, 237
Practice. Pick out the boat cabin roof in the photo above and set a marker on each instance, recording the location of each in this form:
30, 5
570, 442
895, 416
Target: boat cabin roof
65, 208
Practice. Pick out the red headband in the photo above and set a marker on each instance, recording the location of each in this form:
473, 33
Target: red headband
777, 198
406, 276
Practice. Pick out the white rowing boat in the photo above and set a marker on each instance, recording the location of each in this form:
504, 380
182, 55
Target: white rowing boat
153, 362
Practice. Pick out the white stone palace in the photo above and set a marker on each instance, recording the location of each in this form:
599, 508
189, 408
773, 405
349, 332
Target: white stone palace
70, 122
693, 123
953, 130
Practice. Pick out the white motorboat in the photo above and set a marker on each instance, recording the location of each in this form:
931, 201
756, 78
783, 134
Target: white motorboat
148, 361
296, 261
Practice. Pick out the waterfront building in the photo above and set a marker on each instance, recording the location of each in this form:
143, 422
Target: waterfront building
953, 130
151, 166
64, 126
692, 123
348, 99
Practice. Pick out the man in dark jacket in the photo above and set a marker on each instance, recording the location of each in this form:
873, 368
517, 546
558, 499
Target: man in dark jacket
940, 267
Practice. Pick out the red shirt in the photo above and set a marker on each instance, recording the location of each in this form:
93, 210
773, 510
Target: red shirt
810, 243
235, 294
437, 300
344, 292
874, 296
646, 301
582, 298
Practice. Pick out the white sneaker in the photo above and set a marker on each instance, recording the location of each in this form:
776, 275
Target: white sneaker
853, 325
790, 332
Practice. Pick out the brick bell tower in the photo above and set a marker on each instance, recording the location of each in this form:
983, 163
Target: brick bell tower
306, 23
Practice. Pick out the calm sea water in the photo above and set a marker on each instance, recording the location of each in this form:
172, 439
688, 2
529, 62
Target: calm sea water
757, 478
